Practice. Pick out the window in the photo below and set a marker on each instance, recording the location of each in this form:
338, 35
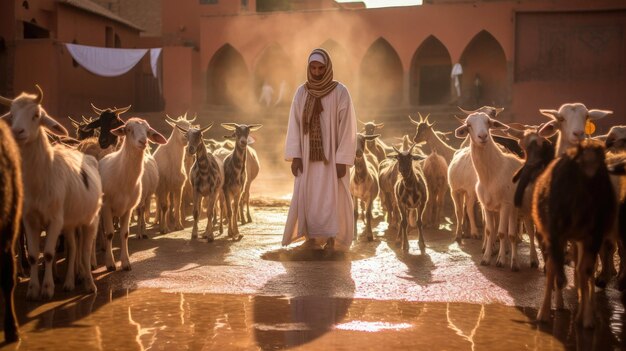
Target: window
207, 2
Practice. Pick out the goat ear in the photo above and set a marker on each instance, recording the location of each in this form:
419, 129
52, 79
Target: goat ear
251, 140
548, 129
156, 137
255, 127
119, 131
554, 114
92, 125
517, 175
418, 157
229, 126
379, 125
461, 132
371, 137
495, 124
618, 169
52, 125
597, 114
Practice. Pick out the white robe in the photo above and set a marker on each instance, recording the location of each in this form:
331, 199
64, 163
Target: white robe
321, 206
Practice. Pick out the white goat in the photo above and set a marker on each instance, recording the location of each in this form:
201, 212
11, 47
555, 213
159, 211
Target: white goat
494, 188
121, 173
172, 174
364, 182
62, 193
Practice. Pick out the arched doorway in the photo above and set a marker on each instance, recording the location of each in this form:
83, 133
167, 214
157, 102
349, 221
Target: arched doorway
484, 80
342, 70
430, 74
274, 69
228, 81
380, 76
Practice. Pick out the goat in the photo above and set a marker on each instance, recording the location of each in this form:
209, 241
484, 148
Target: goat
206, 177
616, 139
149, 183
410, 192
172, 176
253, 166
121, 173
494, 189
235, 174
574, 201
108, 119
64, 194
461, 175
11, 198
81, 132
436, 174
364, 182
376, 146
539, 152
569, 122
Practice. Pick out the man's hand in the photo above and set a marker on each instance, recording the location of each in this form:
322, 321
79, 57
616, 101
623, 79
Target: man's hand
296, 164
341, 170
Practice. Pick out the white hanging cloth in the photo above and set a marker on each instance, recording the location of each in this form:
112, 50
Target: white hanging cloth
154, 58
457, 70
106, 62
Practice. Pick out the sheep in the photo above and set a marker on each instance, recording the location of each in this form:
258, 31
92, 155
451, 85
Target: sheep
436, 173
11, 197
573, 201
64, 194
149, 182
206, 177
494, 189
410, 193
172, 174
121, 173
569, 122
235, 174
364, 183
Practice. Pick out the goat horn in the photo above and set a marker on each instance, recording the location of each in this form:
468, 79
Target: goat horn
193, 119
361, 121
119, 111
459, 119
413, 121
5, 101
39, 95
206, 128
465, 111
96, 110
182, 129
73, 120
170, 118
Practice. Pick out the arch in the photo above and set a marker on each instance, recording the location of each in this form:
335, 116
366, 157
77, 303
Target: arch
274, 68
429, 82
342, 70
484, 58
228, 80
380, 76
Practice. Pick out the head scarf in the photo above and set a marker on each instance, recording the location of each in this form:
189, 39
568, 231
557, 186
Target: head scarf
316, 90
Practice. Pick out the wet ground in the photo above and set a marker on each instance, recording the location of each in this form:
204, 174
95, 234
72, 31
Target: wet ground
253, 294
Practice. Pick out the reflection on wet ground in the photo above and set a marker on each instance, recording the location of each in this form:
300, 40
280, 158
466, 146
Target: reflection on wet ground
149, 319
253, 294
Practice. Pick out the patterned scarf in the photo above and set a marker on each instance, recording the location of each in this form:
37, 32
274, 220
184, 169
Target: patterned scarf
316, 90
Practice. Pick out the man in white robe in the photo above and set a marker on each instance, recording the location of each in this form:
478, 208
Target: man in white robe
321, 207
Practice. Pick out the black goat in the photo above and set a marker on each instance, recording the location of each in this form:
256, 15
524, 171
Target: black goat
574, 201
108, 120
11, 198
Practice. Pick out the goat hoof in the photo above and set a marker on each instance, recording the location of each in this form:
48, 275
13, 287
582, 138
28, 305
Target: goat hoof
210, 239
534, 264
111, 268
458, 239
237, 237
484, 262
499, 264
68, 287
515, 268
126, 267
370, 237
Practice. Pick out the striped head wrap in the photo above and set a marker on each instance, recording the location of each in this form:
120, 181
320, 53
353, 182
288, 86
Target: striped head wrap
316, 90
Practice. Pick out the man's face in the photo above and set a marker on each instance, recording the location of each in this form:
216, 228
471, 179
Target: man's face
317, 70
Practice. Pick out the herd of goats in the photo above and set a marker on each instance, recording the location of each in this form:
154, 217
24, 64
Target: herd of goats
553, 180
